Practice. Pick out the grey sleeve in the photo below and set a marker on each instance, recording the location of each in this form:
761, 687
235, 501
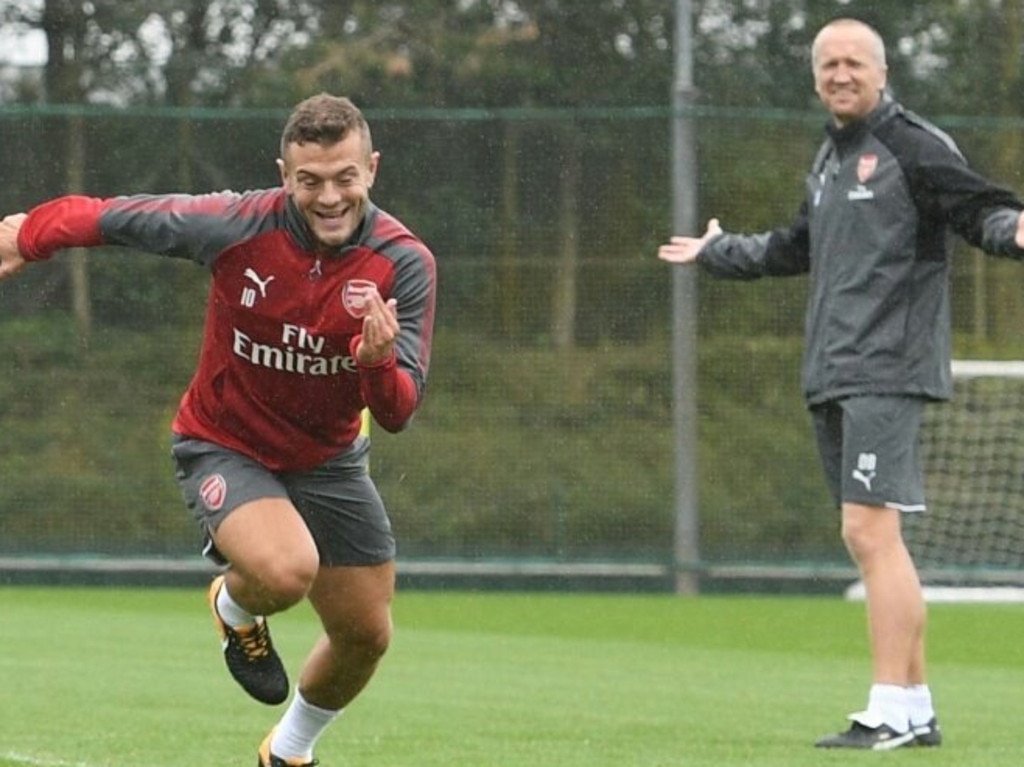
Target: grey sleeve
999, 232
779, 253
193, 227
735, 256
414, 290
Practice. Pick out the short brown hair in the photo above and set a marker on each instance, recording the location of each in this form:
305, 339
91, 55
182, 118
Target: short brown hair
325, 119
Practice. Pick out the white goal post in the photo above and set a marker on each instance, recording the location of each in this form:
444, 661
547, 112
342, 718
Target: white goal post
969, 545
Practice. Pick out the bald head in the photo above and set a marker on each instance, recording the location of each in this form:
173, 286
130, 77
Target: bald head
874, 44
848, 60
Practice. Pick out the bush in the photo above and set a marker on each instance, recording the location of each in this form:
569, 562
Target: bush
516, 451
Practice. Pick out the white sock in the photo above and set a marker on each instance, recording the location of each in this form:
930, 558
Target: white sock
230, 611
300, 728
887, 704
919, 704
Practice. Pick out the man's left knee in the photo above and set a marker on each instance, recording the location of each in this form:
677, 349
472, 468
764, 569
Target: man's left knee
370, 638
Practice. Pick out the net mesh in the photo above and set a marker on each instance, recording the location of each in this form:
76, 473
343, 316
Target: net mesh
527, 448
973, 450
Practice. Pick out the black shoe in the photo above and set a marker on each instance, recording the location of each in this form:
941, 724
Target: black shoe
266, 759
250, 655
881, 738
929, 734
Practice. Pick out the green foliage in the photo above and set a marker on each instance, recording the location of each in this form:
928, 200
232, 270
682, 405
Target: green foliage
85, 444
136, 291
517, 450
559, 454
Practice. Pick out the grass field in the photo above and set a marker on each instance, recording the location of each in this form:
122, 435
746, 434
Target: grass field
112, 677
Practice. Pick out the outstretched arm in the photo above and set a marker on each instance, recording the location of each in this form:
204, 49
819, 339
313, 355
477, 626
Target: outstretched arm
1019, 238
11, 259
684, 250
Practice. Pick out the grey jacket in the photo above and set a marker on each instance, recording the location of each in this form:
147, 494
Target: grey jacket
883, 196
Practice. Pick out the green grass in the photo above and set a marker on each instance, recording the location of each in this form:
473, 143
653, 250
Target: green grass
111, 677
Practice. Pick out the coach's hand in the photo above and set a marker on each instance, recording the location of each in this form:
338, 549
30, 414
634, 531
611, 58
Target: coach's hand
10, 257
684, 250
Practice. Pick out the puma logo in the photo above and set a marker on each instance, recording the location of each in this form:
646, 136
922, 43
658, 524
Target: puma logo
865, 471
864, 478
261, 284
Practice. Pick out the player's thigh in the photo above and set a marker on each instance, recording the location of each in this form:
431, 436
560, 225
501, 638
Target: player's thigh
243, 509
355, 600
268, 539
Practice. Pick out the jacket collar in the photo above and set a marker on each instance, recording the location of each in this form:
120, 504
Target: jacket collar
852, 132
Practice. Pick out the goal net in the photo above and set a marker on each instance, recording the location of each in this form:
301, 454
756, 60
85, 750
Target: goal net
970, 543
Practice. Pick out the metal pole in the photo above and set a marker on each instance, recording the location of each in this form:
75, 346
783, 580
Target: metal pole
684, 312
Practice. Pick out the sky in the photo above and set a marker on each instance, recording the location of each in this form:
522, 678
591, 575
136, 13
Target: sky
22, 48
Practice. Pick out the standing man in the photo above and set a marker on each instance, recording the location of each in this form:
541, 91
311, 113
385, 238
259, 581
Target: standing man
321, 304
884, 190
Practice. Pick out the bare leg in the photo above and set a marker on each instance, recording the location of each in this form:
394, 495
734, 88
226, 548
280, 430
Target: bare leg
273, 557
895, 605
354, 605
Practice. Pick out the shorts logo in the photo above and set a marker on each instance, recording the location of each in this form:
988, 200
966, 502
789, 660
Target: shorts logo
865, 471
356, 295
213, 491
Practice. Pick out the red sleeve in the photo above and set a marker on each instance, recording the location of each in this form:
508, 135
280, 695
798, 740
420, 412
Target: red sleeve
388, 391
65, 222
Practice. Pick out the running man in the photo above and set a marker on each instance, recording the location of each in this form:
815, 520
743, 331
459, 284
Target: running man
321, 304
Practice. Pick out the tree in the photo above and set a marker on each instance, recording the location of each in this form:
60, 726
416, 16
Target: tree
946, 58
109, 52
524, 55
490, 55
64, 24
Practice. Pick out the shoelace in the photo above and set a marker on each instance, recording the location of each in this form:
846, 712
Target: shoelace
255, 642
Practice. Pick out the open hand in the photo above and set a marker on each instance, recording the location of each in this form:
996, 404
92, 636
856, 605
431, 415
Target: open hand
684, 250
10, 257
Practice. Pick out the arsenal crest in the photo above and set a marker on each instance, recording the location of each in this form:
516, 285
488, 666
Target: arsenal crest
213, 491
866, 166
355, 296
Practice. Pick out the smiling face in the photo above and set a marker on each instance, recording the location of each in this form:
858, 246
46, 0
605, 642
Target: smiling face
848, 60
330, 185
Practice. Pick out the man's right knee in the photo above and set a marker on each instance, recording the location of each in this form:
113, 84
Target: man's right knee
287, 580
272, 585
271, 552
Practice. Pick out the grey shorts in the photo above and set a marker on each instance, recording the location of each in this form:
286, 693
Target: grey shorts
338, 500
869, 447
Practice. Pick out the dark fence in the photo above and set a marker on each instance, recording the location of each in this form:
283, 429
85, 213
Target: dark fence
547, 431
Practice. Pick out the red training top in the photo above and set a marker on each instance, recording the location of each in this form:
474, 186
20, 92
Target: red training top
277, 378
